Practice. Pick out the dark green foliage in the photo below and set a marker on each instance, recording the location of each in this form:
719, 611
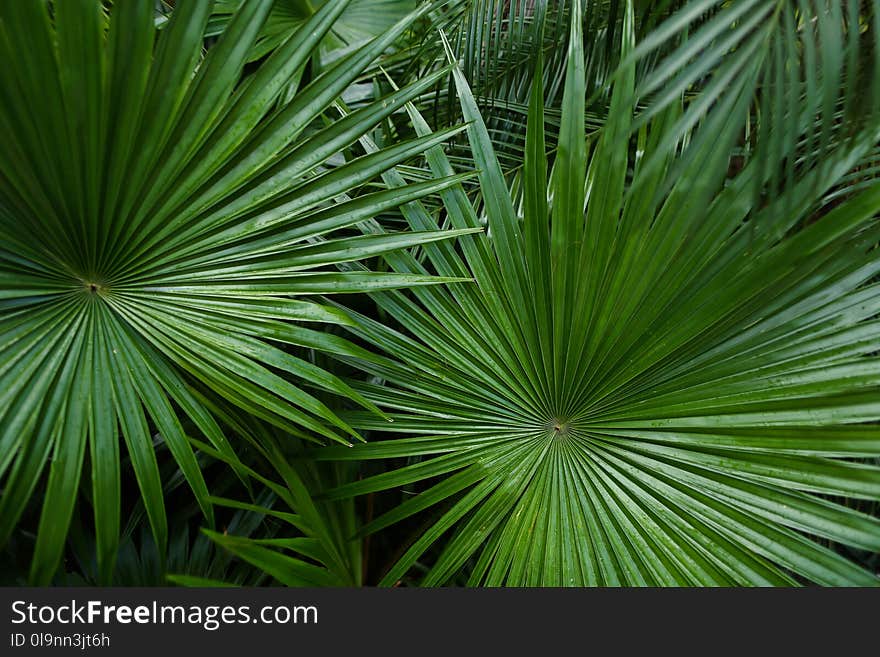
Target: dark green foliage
623, 331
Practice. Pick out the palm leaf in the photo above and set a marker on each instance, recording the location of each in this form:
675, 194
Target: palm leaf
305, 541
658, 377
190, 555
361, 21
161, 225
496, 43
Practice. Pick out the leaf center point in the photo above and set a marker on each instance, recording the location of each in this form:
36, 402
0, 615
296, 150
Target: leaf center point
559, 427
95, 288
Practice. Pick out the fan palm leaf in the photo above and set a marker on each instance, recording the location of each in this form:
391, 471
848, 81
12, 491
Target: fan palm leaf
659, 376
496, 42
162, 227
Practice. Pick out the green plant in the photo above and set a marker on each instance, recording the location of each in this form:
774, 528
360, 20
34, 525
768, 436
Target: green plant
163, 229
649, 357
361, 21
660, 376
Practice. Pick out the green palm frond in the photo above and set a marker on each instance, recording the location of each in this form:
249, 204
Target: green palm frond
190, 555
800, 77
659, 377
161, 230
304, 541
361, 21
496, 43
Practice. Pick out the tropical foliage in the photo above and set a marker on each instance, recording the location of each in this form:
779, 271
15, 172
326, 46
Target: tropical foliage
159, 230
475, 292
